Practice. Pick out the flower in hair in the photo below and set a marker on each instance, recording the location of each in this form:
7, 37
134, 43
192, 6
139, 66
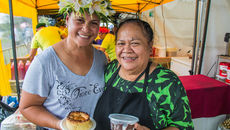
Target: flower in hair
101, 7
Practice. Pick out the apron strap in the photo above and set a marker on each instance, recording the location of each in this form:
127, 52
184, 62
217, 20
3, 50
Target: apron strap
146, 77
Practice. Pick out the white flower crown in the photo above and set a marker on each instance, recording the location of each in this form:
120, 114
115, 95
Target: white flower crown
101, 7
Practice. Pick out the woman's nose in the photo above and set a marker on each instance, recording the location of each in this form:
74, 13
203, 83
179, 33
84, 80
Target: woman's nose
127, 48
85, 27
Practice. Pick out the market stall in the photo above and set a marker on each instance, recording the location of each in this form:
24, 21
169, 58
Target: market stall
204, 93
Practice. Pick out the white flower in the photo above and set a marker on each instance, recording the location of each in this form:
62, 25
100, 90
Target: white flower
111, 12
70, 1
105, 4
91, 11
86, 2
99, 6
77, 6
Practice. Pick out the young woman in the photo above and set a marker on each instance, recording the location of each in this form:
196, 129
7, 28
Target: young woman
67, 76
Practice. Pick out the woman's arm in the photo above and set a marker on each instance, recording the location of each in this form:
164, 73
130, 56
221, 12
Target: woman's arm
31, 107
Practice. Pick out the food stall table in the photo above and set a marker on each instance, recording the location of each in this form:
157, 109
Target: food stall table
208, 98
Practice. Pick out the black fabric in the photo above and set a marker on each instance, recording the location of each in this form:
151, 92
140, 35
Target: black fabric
115, 101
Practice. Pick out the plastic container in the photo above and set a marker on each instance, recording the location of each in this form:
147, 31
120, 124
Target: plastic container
171, 52
220, 78
27, 65
122, 121
21, 70
223, 66
16, 121
228, 75
12, 71
161, 51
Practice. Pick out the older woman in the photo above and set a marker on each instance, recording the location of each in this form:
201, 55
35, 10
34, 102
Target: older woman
135, 86
68, 76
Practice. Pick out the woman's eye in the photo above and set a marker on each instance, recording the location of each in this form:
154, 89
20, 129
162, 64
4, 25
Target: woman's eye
134, 43
80, 20
120, 43
95, 23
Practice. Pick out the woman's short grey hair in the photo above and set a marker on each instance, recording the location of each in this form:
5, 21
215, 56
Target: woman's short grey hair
147, 30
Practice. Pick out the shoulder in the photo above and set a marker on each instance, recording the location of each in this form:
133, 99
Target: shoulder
99, 54
100, 57
46, 56
163, 75
113, 64
164, 81
111, 67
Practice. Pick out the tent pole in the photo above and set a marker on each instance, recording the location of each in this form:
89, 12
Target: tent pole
204, 35
14, 48
197, 56
194, 37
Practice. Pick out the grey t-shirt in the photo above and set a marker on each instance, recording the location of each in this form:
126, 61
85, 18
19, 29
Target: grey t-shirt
65, 91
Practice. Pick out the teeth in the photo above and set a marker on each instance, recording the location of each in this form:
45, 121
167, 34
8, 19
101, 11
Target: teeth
128, 58
83, 36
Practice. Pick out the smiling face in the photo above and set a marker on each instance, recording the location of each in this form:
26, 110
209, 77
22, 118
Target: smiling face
132, 48
82, 30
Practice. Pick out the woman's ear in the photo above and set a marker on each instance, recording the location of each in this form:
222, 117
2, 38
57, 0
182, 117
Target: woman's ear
151, 44
67, 20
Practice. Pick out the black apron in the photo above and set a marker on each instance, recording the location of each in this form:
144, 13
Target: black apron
115, 101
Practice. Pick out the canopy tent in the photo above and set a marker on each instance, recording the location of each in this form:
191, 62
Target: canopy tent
49, 7
43, 7
136, 6
19, 9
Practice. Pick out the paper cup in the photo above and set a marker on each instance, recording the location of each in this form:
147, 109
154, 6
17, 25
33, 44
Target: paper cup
122, 121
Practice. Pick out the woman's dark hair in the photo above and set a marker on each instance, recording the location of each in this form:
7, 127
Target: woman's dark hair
147, 30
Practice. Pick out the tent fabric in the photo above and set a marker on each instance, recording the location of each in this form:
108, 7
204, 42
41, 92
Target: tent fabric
136, 6
173, 25
20, 9
5, 74
29, 8
179, 17
41, 4
118, 5
43, 7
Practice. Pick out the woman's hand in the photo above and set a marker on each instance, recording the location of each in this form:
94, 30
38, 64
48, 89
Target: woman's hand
140, 127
